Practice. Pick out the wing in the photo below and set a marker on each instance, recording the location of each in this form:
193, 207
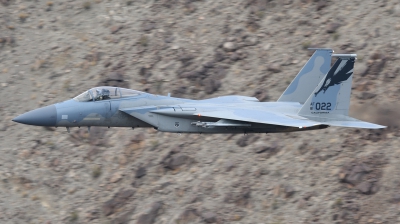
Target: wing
238, 115
263, 117
354, 124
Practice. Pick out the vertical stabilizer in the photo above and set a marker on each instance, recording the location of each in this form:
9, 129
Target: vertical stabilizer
309, 76
331, 99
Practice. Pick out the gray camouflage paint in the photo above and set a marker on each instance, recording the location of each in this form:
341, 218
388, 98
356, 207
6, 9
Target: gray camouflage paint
310, 75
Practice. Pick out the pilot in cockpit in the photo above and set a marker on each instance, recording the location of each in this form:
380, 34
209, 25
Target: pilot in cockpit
102, 95
105, 93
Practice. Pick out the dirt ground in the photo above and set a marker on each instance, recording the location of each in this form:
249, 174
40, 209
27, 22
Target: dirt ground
51, 51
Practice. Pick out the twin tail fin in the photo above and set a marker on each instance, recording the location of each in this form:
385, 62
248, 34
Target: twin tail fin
329, 103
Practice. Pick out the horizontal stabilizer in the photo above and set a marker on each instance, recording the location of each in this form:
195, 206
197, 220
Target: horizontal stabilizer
354, 124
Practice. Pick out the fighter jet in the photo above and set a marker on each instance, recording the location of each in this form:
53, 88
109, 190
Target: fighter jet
318, 97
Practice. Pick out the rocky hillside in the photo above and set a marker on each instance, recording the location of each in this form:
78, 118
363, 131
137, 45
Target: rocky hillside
53, 50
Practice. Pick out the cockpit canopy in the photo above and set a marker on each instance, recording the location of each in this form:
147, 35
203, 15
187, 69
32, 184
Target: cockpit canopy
105, 93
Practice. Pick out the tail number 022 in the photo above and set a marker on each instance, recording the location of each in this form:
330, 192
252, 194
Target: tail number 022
321, 106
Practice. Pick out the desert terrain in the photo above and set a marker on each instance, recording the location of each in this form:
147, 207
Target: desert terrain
53, 50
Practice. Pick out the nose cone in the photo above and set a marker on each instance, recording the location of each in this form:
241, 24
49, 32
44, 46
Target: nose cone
45, 116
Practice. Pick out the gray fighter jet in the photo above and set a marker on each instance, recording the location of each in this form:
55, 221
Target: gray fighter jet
317, 98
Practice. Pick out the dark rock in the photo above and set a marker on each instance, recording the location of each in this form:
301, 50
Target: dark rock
189, 8
115, 29
114, 79
261, 94
145, 72
169, 3
218, 72
391, 75
123, 219
374, 188
136, 139
141, 172
107, 64
332, 27
252, 24
211, 85
97, 136
187, 216
301, 204
93, 151
234, 57
267, 151
219, 56
321, 5
108, 208
364, 187
209, 64
366, 95
376, 66
243, 141
364, 173
344, 214
288, 191
303, 148
93, 57
395, 199
175, 161
118, 67
169, 39
5, 2
353, 174
229, 165
261, 171
209, 217
275, 68
186, 59
240, 198
148, 26
261, 149
377, 55
92, 214
308, 195
304, 22
375, 135
149, 216
119, 200
192, 75
179, 92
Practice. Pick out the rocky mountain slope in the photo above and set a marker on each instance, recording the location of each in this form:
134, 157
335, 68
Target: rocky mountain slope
53, 50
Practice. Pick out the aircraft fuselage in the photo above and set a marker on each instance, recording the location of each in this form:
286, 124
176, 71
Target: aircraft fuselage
173, 114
